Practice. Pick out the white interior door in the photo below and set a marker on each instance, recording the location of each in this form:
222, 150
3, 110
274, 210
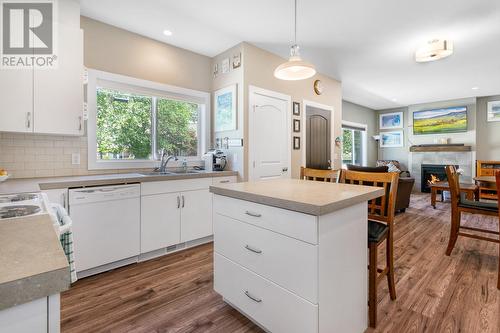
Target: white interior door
269, 135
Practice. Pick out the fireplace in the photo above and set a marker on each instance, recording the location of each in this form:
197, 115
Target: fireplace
432, 173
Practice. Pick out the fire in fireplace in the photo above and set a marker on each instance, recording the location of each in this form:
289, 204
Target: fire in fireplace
431, 174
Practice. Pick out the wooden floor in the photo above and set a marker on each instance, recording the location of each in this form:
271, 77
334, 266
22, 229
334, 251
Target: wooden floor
435, 293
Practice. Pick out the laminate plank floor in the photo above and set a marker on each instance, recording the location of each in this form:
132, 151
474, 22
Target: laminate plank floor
174, 294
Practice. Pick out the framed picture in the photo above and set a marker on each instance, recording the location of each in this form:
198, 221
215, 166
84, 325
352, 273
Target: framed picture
225, 66
296, 109
440, 121
296, 142
391, 139
296, 125
494, 111
391, 120
225, 109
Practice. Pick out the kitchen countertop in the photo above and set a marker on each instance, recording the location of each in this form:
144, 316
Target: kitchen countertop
305, 196
36, 184
33, 264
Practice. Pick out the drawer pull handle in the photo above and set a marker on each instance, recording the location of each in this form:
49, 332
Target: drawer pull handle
253, 214
224, 181
253, 298
251, 249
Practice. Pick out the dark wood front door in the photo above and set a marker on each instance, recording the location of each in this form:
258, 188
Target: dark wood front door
318, 127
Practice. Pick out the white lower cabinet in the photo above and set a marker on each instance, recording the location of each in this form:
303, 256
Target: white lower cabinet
160, 221
272, 306
38, 316
174, 212
196, 214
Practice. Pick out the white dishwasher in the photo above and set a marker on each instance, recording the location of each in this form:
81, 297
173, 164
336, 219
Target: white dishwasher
106, 224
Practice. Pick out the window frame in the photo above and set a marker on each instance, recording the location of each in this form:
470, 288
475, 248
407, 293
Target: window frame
363, 128
153, 89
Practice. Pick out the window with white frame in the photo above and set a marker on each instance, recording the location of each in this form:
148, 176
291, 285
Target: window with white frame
132, 120
353, 143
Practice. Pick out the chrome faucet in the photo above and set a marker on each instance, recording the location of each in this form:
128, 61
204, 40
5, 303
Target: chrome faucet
164, 161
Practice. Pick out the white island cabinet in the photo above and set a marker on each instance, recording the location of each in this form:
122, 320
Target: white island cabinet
292, 255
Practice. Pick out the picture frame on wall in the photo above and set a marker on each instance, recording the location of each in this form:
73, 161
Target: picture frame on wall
296, 142
296, 125
391, 120
493, 111
225, 109
391, 139
296, 109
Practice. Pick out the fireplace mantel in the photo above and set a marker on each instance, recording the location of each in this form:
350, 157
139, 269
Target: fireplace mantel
438, 148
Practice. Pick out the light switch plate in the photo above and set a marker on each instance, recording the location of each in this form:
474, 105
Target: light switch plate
75, 158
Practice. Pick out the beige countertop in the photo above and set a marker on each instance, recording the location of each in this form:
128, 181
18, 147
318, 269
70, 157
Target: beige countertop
305, 196
37, 184
32, 261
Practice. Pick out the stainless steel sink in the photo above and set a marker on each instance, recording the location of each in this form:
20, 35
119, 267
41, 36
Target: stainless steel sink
172, 173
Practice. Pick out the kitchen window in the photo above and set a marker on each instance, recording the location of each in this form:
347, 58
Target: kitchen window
131, 121
353, 143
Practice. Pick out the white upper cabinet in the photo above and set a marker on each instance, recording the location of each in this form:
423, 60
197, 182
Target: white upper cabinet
48, 100
58, 93
16, 100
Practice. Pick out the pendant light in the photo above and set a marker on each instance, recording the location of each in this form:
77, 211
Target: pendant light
295, 68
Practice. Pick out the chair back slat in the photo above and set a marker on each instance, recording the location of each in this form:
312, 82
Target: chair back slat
330, 176
454, 184
382, 208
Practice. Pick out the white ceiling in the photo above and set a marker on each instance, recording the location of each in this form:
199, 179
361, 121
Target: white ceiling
367, 44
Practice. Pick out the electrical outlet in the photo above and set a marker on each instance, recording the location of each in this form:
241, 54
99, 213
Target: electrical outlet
75, 158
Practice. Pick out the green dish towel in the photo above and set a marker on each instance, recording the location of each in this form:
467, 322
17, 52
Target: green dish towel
66, 237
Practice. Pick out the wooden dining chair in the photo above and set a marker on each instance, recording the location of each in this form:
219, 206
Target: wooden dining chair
459, 205
497, 177
319, 175
380, 229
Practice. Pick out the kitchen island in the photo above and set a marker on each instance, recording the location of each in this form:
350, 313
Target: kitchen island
292, 254
34, 271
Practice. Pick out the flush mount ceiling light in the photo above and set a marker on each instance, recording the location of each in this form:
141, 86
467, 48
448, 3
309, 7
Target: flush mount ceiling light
167, 33
434, 50
295, 68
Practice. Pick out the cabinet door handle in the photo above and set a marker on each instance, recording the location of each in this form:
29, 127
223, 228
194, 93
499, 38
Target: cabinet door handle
252, 249
253, 298
80, 125
253, 214
224, 181
178, 202
183, 201
28, 119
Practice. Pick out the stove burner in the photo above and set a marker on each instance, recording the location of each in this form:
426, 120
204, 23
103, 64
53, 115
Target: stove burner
18, 197
18, 210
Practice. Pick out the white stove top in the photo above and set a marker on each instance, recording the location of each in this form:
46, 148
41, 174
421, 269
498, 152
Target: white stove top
21, 205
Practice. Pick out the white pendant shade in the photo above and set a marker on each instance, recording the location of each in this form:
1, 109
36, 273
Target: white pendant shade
294, 69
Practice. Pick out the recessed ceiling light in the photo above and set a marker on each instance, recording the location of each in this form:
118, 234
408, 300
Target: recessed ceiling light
167, 32
475, 88
394, 100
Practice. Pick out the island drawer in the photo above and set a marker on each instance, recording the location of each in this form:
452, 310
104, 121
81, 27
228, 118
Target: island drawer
272, 255
294, 224
273, 307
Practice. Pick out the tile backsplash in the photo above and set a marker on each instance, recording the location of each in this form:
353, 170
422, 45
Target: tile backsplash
35, 155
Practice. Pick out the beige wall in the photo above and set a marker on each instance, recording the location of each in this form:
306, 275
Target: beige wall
259, 71
119, 51
235, 76
401, 154
487, 133
114, 50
